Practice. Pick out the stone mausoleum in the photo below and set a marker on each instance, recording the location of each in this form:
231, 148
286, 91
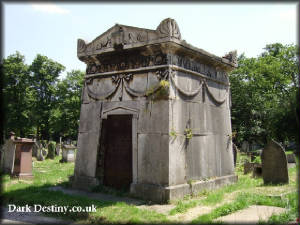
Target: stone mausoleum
155, 114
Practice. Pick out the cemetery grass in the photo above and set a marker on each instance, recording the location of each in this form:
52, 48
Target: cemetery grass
246, 192
50, 173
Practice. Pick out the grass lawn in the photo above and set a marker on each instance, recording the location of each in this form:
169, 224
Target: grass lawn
247, 191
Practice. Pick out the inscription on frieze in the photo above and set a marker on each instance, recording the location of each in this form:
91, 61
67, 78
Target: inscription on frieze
127, 62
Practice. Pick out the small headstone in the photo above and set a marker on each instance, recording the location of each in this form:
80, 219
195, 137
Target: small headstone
234, 150
35, 149
42, 153
274, 164
51, 149
257, 170
8, 155
57, 150
68, 153
249, 167
245, 146
290, 158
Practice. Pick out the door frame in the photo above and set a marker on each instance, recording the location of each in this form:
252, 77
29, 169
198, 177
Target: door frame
120, 110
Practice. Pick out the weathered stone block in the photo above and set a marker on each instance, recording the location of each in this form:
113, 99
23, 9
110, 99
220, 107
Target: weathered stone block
152, 157
274, 164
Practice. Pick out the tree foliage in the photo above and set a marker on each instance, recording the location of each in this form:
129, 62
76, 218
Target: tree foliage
65, 116
17, 95
264, 95
37, 102
44, 76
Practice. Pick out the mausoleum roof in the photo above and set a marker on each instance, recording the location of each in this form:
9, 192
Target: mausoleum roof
167, 34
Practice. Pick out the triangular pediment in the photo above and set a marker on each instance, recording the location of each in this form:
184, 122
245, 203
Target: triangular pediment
120, 35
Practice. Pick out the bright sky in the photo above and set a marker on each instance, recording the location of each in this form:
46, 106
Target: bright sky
52, 29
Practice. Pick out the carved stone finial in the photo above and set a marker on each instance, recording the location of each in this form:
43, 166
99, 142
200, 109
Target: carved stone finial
168, 28
81, 46
231, 56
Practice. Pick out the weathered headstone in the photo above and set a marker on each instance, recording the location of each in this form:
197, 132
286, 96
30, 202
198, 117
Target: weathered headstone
234, 150
42, 153
8, 156
257, 170
51, 150
245, 146
274, 164
57, 149
249, 167
35, 148
291, 158
68, 153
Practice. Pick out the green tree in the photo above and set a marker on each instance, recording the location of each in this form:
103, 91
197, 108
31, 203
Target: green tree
264, 91
44, 76
65, 116
17, 95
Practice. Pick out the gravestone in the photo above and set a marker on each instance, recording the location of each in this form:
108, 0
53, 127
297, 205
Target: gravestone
23, 158
257, 170
291, 158
68, 153
8, 156
155, 113
249, 167
58, 149
35, 149
234, 150
274, 164
42, 153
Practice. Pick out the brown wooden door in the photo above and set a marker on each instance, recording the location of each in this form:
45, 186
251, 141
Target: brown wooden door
118, 152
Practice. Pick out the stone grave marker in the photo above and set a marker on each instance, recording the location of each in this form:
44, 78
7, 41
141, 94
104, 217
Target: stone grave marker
8, 156
274, 164
68, 153
291, 158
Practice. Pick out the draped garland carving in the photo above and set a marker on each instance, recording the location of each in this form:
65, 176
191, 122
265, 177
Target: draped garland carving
213, 97
122, 81
186, 93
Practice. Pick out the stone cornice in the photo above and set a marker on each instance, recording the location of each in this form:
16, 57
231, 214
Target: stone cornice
167, 36
155, 68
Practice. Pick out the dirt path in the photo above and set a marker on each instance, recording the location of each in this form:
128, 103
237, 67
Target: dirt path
98, 196
190, 214
254, 214
29, 218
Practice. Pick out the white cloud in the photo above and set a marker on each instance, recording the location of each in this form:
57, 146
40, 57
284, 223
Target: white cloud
49, 8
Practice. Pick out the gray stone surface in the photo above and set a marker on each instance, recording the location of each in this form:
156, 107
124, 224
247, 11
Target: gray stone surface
290, 158
126, 67
162, 194
8, 156
152, 159
274, 164
68, 153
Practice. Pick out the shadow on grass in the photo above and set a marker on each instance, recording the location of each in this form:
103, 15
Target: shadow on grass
40, 195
